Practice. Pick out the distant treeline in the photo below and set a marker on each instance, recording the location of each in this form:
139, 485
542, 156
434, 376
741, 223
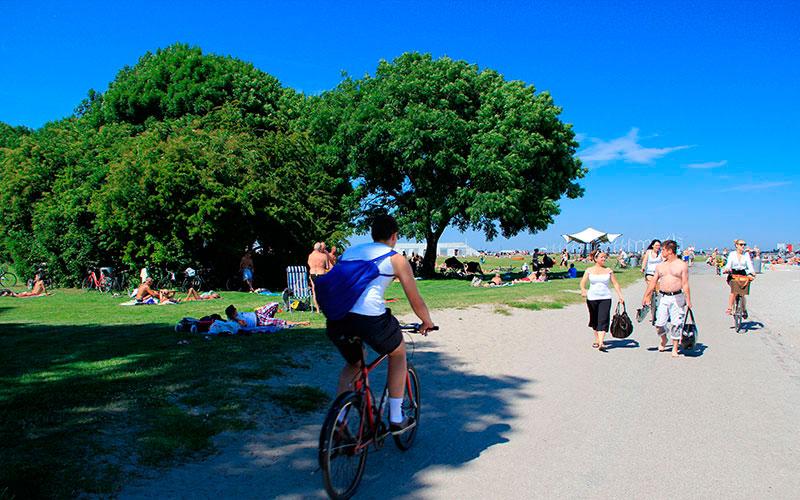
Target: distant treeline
188, 158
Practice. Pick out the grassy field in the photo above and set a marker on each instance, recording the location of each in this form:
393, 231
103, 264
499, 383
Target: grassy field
91, 391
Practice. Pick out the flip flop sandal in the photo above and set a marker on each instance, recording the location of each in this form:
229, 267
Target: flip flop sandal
595, 345
641, 314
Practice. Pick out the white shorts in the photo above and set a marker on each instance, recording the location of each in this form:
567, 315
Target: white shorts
671, 309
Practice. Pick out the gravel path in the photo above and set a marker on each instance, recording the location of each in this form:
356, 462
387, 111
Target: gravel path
521, 406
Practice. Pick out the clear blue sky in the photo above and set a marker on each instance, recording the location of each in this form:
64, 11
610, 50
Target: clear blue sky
686, 111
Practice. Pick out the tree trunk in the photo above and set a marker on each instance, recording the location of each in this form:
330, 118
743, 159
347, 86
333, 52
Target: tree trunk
429, 260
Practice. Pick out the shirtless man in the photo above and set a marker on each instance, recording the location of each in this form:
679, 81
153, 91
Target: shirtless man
38, 289
672, 278
247, 269
318, 264
145, 291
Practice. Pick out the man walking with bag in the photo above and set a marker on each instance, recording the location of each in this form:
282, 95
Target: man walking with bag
672, 277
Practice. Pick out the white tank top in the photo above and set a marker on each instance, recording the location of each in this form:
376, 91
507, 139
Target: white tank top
598, 286
372, 302
653, 259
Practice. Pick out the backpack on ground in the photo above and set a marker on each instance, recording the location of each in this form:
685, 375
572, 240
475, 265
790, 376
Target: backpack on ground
621, 324
339, 289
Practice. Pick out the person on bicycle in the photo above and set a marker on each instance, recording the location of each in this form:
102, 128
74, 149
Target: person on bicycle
738, 264
370, 320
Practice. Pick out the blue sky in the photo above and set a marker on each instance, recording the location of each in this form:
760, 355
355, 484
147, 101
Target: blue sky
686, 111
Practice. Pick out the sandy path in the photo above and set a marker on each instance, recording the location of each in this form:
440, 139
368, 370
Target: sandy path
521, 406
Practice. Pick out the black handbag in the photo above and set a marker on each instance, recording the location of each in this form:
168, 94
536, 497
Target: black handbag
621, 324
689, 331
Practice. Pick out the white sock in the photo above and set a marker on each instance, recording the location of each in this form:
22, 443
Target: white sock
395, 410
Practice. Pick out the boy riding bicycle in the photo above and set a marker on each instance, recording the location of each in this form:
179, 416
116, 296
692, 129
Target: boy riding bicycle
371, 321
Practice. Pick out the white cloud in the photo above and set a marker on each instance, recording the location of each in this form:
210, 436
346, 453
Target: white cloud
758, 186
625, 148
708, 164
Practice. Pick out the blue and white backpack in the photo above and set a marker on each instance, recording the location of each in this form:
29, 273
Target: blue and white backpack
339, 289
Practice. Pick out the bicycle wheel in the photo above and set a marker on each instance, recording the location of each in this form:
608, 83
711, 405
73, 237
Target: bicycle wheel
341, 456
8, 280
737, 314
411, 401
87, 284
234, 284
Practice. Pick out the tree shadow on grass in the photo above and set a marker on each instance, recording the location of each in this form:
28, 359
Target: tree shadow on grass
82, 404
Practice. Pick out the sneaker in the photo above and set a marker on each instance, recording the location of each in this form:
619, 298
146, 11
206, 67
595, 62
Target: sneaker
406, 424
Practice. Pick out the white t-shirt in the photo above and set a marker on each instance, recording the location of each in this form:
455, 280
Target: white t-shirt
249, 318
372, 302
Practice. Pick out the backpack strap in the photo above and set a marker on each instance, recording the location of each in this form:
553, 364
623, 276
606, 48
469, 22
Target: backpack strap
378, 260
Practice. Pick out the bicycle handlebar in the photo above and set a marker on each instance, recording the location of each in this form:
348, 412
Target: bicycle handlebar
414, 327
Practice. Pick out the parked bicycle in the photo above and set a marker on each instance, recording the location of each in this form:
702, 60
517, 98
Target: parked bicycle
41, 271
7, 278
168, 281
192, 279
98, 279
356, 421
235, 283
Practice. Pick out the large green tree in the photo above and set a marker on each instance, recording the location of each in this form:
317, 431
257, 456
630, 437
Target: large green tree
442, 143
185, 160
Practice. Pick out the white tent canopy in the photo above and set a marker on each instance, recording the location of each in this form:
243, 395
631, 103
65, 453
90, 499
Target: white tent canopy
591, 235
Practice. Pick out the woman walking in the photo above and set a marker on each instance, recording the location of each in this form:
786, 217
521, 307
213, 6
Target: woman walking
651, 258
598, 297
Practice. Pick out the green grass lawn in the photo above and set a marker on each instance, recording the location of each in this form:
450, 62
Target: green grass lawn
89, 390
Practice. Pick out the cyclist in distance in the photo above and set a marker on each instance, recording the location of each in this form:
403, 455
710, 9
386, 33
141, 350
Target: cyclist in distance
738, 264
370, 319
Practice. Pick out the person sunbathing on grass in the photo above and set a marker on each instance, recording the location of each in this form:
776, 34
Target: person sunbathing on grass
192, 295
38, 290
263, 316
146, 292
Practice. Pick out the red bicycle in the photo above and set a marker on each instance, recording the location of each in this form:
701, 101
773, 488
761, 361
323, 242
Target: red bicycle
355, 421
101, 282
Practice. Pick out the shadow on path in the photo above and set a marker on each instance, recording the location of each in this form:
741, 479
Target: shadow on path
463, 415
622, 344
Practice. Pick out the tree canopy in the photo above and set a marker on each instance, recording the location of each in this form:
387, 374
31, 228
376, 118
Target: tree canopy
186, 159
441, 142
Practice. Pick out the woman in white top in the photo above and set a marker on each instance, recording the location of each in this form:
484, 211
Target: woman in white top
739, 264
651, 258
598, 297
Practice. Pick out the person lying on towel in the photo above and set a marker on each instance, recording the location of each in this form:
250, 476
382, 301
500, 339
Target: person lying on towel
263, 316
38, 290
